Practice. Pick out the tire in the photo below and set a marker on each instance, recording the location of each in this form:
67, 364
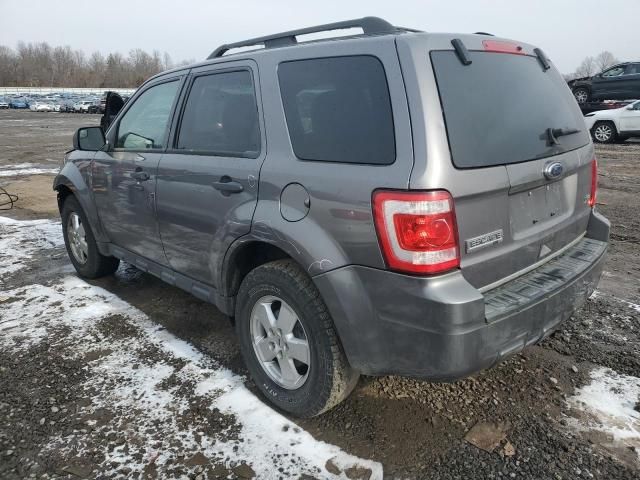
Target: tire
281, 286
581, 94
83, 250
604, 132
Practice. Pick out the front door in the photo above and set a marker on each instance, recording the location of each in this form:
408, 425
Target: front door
207, 185
124, 172
630, 119
609, 85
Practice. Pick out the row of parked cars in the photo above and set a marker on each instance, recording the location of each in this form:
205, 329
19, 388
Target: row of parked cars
55, 103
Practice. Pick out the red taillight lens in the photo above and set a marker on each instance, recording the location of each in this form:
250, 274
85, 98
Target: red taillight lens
502, 47
417, 230
594, 183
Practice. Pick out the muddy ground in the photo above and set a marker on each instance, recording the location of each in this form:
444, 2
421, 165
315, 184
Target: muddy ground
414, 429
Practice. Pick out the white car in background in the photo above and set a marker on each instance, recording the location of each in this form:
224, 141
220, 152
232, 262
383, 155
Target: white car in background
41, 107
608, 126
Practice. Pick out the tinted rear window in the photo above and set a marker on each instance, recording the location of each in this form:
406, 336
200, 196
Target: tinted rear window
338, 109
498, 109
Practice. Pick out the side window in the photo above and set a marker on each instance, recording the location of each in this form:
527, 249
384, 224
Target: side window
145, 124
613, 72
221, 116
338, 109
633, 69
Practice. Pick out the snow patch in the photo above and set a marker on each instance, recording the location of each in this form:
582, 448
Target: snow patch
20, 169
19, 240
143, 390
610, 404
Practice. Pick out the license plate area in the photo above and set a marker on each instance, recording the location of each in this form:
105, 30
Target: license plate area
536, 209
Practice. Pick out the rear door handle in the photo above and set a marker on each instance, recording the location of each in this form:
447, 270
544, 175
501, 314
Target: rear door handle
227, 186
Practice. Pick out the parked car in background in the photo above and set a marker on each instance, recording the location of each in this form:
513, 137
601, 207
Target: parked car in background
40, 106
4, 104
82, 106
18, 103
619, 82
85, 106
380, 233
66, 106
618, 125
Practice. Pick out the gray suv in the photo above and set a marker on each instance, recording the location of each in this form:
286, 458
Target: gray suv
392, 202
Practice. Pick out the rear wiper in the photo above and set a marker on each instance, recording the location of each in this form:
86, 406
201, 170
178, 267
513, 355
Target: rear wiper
554, 133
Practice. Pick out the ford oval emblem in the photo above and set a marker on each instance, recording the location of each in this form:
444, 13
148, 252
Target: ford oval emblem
553, 170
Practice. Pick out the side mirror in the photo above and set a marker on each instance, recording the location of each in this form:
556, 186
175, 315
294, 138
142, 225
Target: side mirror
630, 107
89, 139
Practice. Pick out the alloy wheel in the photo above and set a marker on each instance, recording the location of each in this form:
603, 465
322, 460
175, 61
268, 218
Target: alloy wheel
280, 342
603, 132
581, 95
77, 238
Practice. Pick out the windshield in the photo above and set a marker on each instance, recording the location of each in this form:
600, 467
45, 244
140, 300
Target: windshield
499, 109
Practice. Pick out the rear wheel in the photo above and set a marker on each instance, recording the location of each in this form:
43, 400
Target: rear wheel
604, 132
81, 244
581, 94
288, 341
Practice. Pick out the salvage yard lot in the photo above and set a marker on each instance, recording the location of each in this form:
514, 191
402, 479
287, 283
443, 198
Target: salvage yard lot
127, 377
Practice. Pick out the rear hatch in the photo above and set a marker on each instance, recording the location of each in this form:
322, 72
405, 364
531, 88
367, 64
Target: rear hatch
510, 117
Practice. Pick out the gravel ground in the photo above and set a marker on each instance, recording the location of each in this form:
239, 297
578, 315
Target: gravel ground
127, 377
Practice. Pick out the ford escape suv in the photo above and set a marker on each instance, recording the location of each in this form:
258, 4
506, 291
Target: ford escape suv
391, 202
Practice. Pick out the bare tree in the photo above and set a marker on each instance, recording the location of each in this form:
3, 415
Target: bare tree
586, 68
38, 64
604, 60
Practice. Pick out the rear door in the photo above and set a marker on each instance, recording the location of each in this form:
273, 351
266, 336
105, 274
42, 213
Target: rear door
519, 156
632, 81
208, 181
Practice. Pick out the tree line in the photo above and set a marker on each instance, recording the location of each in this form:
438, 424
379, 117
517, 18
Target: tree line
592, 65
41, 65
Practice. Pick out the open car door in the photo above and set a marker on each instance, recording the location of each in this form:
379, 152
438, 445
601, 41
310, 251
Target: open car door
113, 105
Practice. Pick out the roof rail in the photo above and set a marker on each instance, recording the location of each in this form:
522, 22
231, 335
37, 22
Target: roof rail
369, 25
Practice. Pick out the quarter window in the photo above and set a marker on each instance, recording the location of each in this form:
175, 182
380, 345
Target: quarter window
221, 116
338, 109
144, 125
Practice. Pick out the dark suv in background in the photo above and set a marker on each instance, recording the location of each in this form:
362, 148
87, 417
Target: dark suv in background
395, 202
620, 82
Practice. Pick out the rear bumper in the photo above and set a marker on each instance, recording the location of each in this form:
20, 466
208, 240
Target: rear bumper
442, 328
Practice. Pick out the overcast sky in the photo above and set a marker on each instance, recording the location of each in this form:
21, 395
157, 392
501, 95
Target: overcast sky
567, 30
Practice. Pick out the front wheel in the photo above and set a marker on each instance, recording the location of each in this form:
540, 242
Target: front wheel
289, 342
581, 94
604, 132
81, 244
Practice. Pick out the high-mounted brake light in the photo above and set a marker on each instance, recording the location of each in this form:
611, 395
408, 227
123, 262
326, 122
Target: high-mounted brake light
417, 230
594, 183
502, 47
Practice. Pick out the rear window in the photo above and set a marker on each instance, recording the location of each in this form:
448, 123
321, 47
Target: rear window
338, 109
498, 109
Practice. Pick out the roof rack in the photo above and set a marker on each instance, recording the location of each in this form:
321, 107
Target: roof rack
369, 25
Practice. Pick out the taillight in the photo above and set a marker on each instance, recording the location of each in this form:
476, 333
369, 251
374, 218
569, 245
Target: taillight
594, 183
417, 230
